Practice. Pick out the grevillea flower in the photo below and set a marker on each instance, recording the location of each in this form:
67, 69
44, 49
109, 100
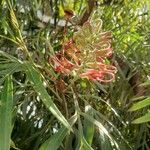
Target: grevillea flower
85, 53
62, 65
107, 68
92, 74
103, 73
72, 51
102, 76
103, 54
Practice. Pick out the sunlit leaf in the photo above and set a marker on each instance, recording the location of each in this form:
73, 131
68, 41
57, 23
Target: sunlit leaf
143, 119
141, 104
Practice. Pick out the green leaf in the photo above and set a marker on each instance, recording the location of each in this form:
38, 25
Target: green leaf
9, 68
35, 77
12, 16
9, 57
100, 126
105, 142
116, 132
146, 83
14, 146
97, 123
140, 104
6, 104
56, 140
88, 127
143, 119
85, 145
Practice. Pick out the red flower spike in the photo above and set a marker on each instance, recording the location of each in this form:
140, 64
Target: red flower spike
96, 75
62, 65
106, 36
92, 74
102, 54
107, 77
72, 51
93, 61
107, 68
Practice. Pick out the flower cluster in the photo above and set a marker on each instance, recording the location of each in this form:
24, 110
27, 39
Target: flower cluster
86, 54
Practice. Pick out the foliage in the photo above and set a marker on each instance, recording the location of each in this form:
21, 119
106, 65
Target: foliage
48, 103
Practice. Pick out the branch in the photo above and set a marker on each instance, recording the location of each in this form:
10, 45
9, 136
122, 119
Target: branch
87, 13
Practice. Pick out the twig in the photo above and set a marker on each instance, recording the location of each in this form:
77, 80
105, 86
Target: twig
87, 13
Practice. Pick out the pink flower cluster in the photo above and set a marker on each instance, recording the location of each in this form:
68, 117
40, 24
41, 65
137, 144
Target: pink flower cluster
88, 60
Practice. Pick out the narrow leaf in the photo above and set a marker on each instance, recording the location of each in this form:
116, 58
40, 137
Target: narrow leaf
6, 104
143, 119
88, 127
104, 141
56, 140
140, 104
147, 83
35, 77
85, 145
9, 57
100, 126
